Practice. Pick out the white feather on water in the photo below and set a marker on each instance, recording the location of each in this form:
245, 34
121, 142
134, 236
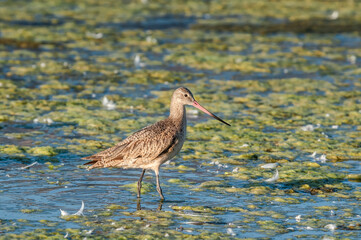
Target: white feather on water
218, 164
230, 232
331, 227
151, 39
322, 158
43, 120
138, 62
94, 35
78, 213
274, 178
49, 121
310, 127
63, 213
352, 59
88, 232
270, 165
334, 15
29, 166
108, 104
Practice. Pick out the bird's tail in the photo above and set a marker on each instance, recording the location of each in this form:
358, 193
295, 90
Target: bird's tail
93, 161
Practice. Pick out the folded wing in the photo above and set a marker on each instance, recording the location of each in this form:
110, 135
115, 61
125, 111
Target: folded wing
137, 149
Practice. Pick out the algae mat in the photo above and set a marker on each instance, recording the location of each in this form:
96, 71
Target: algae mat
78, 76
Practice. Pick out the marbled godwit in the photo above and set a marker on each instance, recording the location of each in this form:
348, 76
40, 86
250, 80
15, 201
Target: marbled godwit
151, 146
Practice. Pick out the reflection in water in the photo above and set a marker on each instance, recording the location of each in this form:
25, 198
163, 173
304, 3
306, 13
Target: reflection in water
139, 206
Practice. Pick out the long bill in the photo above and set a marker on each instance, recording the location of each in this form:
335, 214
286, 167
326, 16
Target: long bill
197, 105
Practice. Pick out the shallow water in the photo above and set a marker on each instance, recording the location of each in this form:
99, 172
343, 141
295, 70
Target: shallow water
286, 94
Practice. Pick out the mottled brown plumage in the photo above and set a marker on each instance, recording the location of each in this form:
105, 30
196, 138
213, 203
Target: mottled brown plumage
153, 145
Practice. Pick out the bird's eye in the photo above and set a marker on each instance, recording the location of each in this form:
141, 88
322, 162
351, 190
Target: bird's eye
186, 95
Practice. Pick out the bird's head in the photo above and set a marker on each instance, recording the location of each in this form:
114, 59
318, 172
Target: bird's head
185, 97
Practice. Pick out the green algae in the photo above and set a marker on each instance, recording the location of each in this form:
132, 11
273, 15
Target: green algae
116, 206
183, 168
268, 86
11, 149
48, 223
354, 177
42, 151
146, 187
210, 184
152, 77
181, 183
30, 210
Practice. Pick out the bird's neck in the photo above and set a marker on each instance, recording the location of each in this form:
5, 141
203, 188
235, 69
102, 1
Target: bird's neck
177, 113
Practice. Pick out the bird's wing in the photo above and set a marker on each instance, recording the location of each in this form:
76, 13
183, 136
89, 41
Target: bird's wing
107, 152
146, 144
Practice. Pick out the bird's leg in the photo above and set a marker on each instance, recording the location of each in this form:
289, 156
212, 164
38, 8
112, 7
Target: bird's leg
159, 189
160, 205
140, 183
139, 207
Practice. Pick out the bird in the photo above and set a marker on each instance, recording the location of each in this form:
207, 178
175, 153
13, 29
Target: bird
150, 147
